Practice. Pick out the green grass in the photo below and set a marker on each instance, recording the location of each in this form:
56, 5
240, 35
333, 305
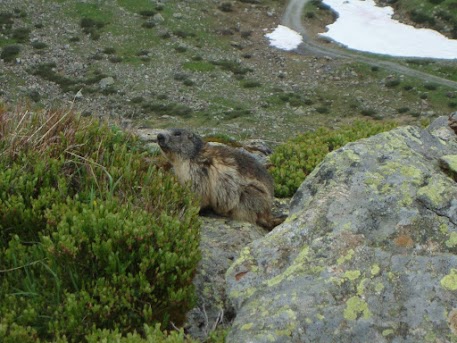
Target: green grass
199, 66
445, 69
436, 14
92, 11
135, 6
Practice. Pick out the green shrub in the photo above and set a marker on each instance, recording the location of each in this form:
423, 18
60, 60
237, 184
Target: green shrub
39, 45
369, 112
109, 51
94, 240
322, 109
391, 83
148, 13
92, 27
294, 99
294, 160
232, 66
152, 335
226, 7
431, 86
21, 35
148, 24
421, 17
403, 110
310, 15
6, 22
172, 109
10, 52
181, 48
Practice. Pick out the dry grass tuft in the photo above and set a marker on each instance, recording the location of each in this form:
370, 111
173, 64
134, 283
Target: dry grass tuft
22, 128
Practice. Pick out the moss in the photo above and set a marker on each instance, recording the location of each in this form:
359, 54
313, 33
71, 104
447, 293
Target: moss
450, 281
356, 307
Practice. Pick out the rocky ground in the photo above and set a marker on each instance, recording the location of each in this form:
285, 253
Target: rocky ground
201, 64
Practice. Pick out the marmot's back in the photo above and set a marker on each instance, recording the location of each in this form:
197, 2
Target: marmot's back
231, 182
245, 164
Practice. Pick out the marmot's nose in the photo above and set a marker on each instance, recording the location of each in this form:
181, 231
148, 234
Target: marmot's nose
160, 138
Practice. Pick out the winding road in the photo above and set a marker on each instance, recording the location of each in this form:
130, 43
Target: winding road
292, 18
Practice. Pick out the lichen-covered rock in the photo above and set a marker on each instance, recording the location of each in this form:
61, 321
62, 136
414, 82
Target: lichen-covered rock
221, 240
368, 253
220, 243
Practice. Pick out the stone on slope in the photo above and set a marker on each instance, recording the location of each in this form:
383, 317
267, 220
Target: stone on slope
368, 252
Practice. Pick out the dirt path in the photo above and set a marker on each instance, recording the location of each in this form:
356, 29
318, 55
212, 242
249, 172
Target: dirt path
292, 18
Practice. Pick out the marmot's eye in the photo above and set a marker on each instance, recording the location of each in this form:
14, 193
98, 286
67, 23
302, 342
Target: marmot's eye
177, 133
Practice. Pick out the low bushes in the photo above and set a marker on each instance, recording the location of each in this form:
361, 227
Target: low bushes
95, 242
294, 160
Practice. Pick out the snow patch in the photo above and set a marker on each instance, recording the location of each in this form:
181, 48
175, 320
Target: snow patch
284, 38
361, 25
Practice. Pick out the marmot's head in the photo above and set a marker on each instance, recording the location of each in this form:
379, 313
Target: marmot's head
180, 143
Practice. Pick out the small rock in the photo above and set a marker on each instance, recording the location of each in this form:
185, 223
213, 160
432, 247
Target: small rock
79, 95
158, 18
453, 121
105, 82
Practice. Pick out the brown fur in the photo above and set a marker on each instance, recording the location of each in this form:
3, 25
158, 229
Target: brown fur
230, 182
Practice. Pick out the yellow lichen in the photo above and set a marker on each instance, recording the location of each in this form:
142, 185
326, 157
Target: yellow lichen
347, 257
379, 287
436, 192
450, 281
375, 269
352, 274
299, 265
452, 321
356, 307
387, 332
361, 287
246, 327
452, 241
320, 316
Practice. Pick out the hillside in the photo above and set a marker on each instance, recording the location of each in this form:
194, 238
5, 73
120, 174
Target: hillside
202, 64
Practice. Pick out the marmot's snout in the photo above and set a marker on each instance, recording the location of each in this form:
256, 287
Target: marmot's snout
162, 139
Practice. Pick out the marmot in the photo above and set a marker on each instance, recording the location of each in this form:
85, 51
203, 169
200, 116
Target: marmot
228, 181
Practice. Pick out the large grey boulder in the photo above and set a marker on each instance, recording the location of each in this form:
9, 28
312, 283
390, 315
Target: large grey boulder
368, 253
